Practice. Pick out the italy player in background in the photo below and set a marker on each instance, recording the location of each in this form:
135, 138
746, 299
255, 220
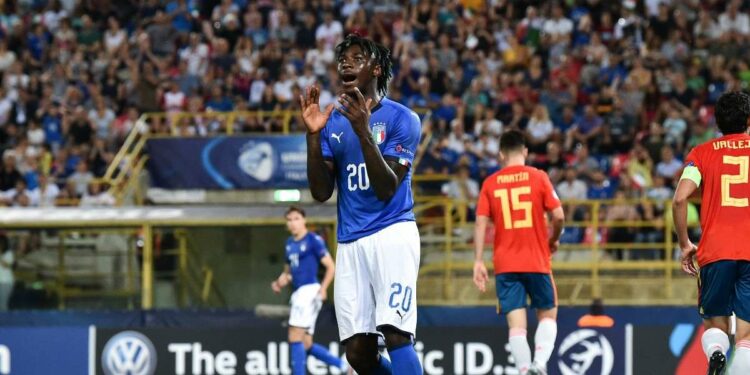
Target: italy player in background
517, 199
304, 252
720, 168
365, 148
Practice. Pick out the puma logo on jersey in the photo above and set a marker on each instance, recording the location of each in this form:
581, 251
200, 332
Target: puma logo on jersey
337, 136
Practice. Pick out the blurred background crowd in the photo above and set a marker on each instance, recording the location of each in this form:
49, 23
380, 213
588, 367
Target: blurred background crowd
611, 94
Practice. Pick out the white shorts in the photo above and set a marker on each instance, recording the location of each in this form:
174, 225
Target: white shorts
376, 281
306, 304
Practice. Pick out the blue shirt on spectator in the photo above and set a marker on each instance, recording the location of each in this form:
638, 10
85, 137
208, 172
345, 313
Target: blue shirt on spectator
180, 20
220, 105
52, 129
606, 191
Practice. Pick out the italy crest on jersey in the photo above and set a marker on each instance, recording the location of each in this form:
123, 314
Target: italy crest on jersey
378, 132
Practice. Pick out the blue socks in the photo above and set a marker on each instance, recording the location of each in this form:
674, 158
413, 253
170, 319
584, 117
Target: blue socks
384, 367
299, 358
405, 360
320, 352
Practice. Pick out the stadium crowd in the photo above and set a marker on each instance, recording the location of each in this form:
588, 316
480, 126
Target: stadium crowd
611, 94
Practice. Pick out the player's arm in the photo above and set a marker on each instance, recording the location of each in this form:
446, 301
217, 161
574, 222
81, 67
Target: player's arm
327, 263
320, 172
689, 182
557, 222
480, 270
283, 280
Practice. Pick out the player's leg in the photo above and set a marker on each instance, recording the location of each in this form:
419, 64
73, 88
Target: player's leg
393, 262
355, 311
716, 285
305, 305
741, 356
543, 293
362, 354
319, 351
511, 295
298, 356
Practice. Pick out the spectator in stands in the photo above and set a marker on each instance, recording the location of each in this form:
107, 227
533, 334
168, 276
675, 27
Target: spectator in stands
9, 175
7, 279
539, 129
81, 178
596, 318
669, 166
96, 196
586, 129
572, 188
463, 189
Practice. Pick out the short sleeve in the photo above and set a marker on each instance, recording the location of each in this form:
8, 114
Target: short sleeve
693, 159
551, 200
325, 145
483, 205
319, 246
403, 142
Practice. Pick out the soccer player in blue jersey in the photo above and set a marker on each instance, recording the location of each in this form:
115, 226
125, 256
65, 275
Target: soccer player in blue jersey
305, 251
365, 148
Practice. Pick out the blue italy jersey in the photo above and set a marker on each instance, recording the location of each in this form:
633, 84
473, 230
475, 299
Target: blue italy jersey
304, 257
396, 130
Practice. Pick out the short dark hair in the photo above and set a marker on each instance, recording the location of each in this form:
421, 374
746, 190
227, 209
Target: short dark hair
294, 209
732, 112
379, 52
512, 140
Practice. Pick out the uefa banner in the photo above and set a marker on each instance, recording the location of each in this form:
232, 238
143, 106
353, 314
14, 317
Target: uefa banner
624, 350
228, 163
45, 350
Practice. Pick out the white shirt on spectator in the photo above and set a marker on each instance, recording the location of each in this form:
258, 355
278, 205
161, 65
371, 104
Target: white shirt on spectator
6, 273
454, 190
36, 136
576, 189
456, 143
174, 101
47, 197
305, 81
740, 24
668, 169
320, 60
562, 26
113, 41
540, 129
15, 81
331, 34
652, 6
256, 91
493, 127
102, 199
6, 60
326, 98
349, 8
52, 19
283, 89
102, 122
6, 105
197, 59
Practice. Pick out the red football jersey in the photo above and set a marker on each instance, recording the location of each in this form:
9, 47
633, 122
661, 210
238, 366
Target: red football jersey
725, 210
517, 199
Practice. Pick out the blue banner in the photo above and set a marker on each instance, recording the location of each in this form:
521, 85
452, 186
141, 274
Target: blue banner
53, 350
228, 163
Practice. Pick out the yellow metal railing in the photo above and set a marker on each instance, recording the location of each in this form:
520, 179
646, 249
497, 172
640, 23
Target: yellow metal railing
446, 279
195, 278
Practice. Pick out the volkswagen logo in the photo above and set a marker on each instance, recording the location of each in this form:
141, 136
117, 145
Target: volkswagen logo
129, 353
